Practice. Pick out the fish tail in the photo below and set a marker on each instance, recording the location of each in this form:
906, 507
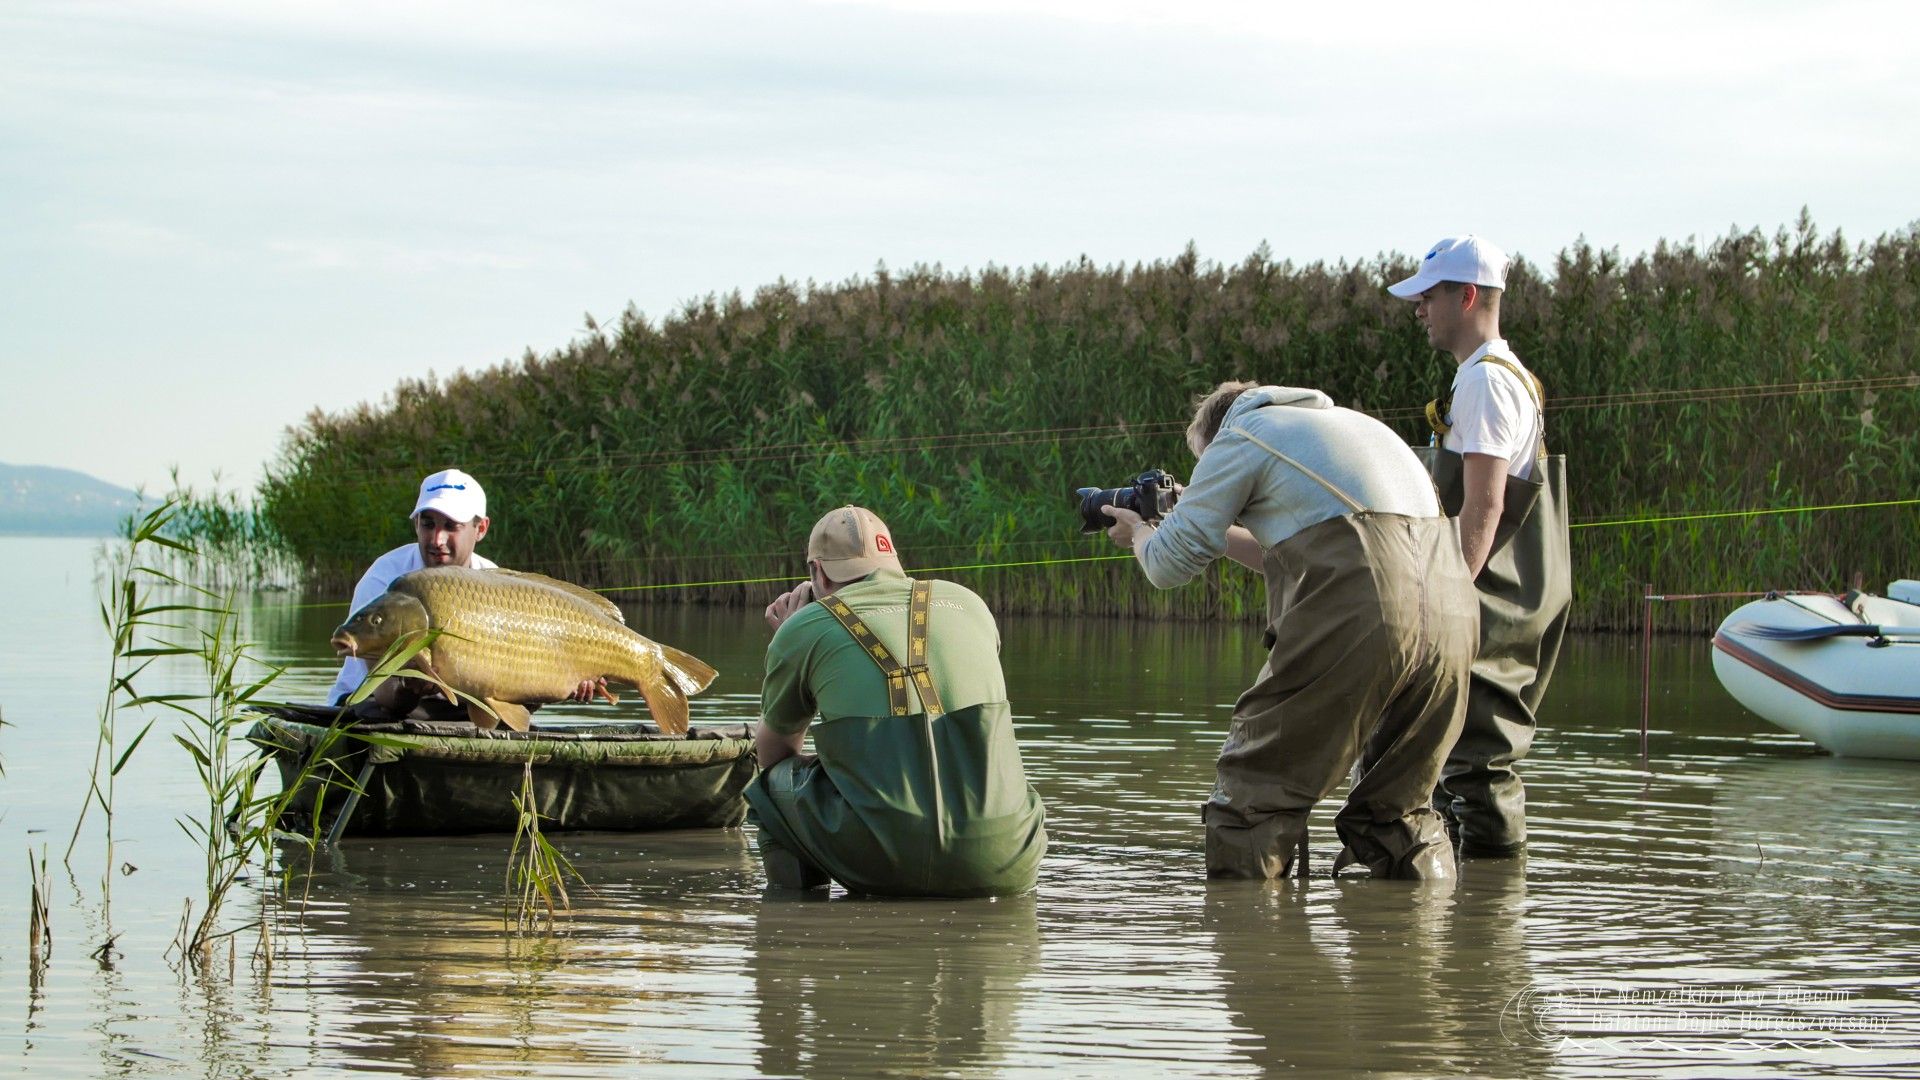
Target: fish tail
667, 703
689, 672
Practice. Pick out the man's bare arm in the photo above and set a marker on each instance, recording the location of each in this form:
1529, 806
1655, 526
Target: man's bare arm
771, 747
1485, 481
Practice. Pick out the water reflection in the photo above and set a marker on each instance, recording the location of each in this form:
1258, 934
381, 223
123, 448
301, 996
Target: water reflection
410, 938
952, 974
1375, 976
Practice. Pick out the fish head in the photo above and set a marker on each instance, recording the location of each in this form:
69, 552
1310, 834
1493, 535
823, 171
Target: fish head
374, 628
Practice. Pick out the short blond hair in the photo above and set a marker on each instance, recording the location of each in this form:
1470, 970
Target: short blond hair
1210, 411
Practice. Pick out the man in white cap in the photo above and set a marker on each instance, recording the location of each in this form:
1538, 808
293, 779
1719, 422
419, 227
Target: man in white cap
449, 519
1489, 461
915, 787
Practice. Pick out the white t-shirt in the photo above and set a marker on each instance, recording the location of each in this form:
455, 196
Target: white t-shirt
1493, 411
401, 560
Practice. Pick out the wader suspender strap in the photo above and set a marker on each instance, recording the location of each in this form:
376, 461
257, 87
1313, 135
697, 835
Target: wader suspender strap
1438, 408
1352, 504
897, 675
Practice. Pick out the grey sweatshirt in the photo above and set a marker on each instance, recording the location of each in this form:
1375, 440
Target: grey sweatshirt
1238, 482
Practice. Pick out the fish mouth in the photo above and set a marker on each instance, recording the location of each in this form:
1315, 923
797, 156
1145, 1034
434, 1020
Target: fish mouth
344, 646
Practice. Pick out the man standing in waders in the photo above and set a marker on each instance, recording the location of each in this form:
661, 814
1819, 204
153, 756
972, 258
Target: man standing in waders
1371, 626
915, 787
1491, 467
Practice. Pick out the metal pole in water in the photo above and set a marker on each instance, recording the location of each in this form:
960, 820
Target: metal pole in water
353, 802
1646, 664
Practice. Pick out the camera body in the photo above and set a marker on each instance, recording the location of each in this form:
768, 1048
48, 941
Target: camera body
1150, 495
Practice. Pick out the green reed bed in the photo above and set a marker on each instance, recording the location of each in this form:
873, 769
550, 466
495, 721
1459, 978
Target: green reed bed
966, 407
233, 546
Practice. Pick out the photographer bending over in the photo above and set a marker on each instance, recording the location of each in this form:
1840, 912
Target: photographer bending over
1372, 623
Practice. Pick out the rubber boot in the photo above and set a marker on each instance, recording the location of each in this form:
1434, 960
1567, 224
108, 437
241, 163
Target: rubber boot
1412, 848
1489, 820
787, 870
1261, 851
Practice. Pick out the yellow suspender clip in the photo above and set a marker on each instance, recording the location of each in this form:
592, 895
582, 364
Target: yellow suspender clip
1440, 410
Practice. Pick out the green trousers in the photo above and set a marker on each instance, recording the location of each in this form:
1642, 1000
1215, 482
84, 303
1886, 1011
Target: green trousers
907, 806
1524, 593
1372, 628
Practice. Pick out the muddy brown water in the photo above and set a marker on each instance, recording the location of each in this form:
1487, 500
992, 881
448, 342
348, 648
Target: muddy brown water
1740, 905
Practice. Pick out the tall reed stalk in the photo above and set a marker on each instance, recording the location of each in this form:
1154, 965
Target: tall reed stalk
39, 920
235, 826
127, 610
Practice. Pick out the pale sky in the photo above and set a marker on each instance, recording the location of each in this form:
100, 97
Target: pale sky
216, 216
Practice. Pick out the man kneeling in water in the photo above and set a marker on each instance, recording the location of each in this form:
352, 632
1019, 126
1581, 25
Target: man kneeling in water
917, 789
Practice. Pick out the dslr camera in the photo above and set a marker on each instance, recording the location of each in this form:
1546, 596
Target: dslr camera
1150, 495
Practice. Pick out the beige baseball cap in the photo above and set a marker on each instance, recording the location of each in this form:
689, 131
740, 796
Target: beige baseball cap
851, 543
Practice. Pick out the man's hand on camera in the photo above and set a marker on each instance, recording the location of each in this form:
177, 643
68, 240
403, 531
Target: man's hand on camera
789, 602
1125, 525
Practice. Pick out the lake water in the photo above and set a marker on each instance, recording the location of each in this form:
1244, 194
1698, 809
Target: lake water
1739, 905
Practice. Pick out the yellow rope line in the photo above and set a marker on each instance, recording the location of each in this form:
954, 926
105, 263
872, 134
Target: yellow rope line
918, 570
1741, 513
795, 578
782, 579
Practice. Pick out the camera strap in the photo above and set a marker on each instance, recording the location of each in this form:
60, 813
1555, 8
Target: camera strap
897, 674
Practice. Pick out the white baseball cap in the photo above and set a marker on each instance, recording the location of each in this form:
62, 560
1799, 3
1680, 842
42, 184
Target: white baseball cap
452, 493
1466, 259
850, 543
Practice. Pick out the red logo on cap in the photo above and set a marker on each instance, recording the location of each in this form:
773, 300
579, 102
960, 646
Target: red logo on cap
881, 543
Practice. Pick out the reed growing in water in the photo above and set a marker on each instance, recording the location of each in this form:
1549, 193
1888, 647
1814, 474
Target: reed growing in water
157, 615
128, 612
537, 872
39, 920
966, 407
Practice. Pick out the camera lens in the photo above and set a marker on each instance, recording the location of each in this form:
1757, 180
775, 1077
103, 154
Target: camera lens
1091, 500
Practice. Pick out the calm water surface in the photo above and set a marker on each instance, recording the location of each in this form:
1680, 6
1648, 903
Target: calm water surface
1740, 905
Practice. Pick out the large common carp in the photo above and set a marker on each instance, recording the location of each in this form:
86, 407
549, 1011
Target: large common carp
514, 639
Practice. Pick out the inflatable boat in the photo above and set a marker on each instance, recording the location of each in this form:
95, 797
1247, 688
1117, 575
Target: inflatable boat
1843, 671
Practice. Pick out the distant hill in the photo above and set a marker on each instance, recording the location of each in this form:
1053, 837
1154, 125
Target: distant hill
39, 500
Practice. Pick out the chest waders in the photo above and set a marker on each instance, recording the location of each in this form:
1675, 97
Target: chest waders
1525, 591
914, 803
1371, 630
